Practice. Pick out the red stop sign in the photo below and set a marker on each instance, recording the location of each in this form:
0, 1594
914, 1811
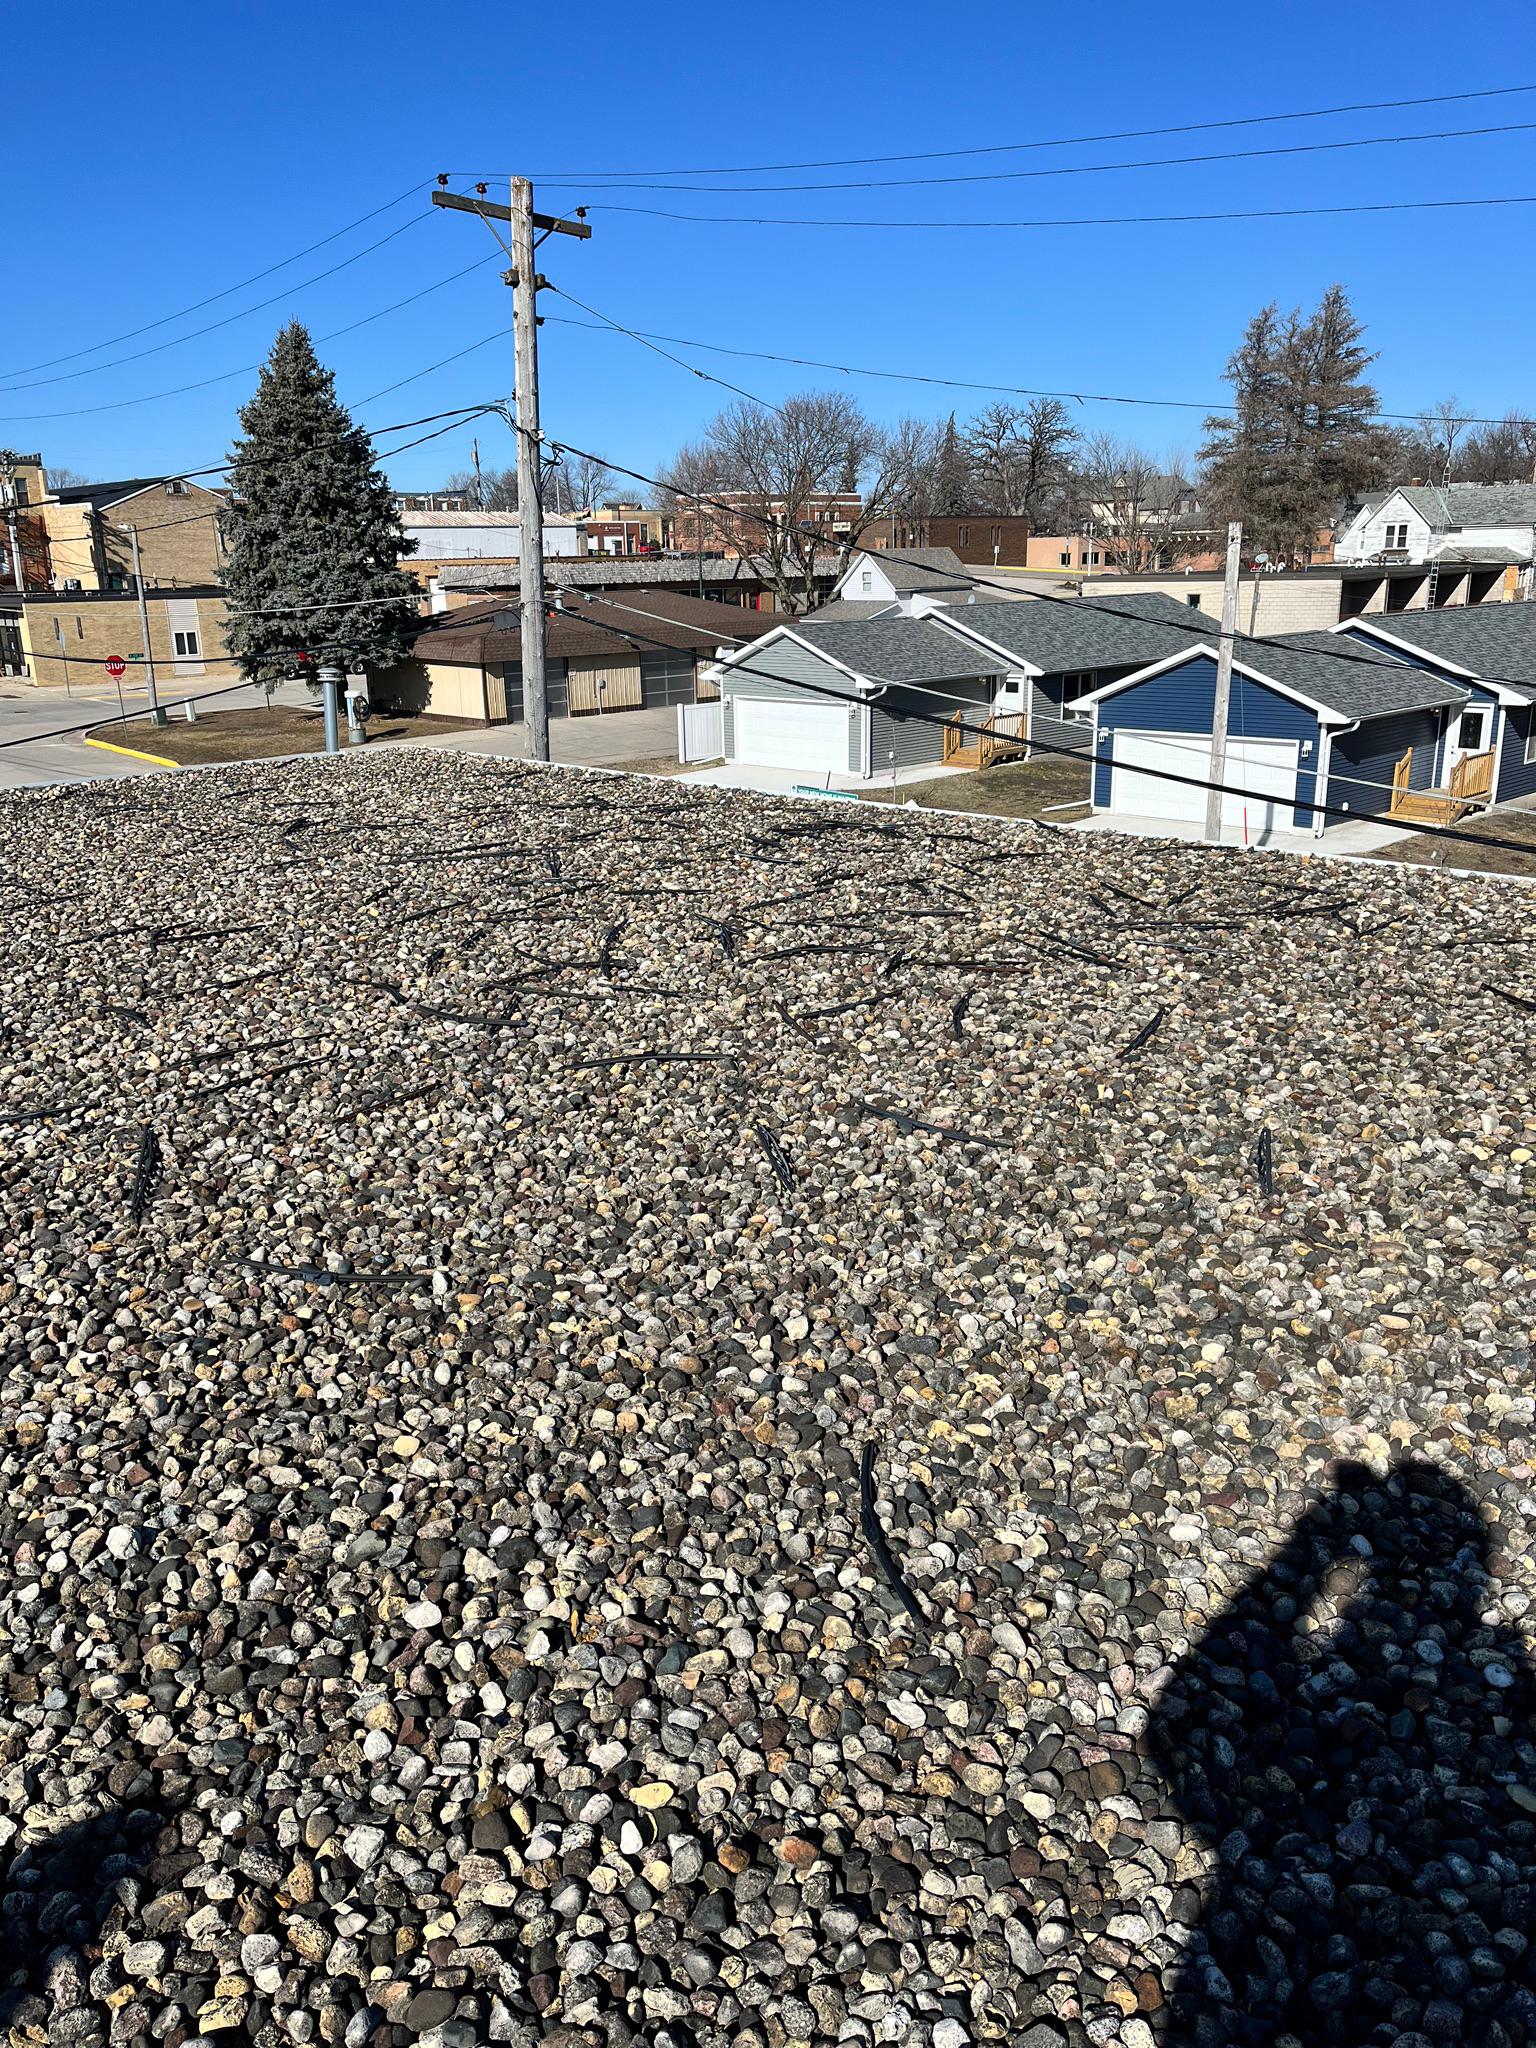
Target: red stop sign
116, 666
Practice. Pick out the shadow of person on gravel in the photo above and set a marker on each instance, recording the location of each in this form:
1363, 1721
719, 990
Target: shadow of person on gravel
54, 1895
1348, 1737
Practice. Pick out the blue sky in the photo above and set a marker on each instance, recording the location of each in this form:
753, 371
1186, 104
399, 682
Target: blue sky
152, 168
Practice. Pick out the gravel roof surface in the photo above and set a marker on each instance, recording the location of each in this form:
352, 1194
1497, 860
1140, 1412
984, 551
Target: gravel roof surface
491, 1642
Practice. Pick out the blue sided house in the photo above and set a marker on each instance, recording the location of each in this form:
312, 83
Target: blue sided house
1366, 735
1489, 650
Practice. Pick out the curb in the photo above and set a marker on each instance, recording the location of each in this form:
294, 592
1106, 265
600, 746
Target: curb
133, 753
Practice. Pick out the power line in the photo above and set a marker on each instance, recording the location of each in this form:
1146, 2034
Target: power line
458, 416
838, 163
961, 574
196, 333
1154, 163
245, 369
133, 333
1107, 220
759, 355
1091, 759
646, 341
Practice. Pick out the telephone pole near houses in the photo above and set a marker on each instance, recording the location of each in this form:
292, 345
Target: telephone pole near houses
530, 508
1219, 720
525, 283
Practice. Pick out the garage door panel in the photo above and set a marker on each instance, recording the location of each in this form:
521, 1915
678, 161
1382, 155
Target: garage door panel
1265, 767
812, 738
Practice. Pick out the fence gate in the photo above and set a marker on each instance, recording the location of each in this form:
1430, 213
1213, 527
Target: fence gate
700, 732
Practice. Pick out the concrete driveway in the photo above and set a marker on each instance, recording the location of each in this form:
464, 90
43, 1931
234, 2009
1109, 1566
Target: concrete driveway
602, 741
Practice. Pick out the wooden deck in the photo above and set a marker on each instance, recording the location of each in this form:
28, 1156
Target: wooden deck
1470, 786
970, 742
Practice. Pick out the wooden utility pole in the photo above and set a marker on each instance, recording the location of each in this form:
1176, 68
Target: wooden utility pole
156, 715
1223, 683
525, 283
530, 510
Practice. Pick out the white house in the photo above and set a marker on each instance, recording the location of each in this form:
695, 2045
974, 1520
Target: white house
1453, 523
485, 536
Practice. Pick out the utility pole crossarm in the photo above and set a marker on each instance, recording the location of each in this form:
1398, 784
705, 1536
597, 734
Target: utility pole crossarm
488, 209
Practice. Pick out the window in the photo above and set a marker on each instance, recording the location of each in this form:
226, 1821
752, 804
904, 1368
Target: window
1095, 559
1397, 536
1076, 685
1066, 560
186, 645
79, 627
1470, 737
1193, 603
1530, 744
176, 488
867, 581
965, 536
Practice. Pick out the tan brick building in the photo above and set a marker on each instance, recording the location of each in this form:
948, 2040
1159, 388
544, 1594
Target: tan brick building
181, 541
65, 637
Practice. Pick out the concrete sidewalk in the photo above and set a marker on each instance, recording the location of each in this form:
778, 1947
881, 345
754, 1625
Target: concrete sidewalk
792, 781
1365, 836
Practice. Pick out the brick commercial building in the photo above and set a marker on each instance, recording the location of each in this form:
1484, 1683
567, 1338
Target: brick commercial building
61, 639
987, 540
181, 541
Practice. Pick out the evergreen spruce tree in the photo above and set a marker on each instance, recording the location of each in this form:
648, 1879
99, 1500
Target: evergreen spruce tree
1351, 452
314, 536
1300, 436
951, 474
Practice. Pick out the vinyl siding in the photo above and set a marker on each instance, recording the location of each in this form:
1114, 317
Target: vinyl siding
1183, 699
1516, 778
1047, 727
1360, 772
912, 740
799, 677
1482, 699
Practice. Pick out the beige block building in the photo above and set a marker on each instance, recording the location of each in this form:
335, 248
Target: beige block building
1309, 600
66, 638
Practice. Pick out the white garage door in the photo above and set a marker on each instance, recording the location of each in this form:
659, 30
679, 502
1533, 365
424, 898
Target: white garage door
812, 738
1267, 767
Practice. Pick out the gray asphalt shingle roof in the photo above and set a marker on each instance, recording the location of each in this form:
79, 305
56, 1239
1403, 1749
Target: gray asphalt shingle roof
1496, 642
847, 609
1368, 687
894, 650
1474, 504
921, 568
1073, 634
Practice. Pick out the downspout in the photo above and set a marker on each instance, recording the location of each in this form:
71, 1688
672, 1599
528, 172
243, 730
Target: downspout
869, 730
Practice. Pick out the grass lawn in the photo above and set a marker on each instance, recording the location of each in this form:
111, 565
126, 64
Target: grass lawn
1457, 853
1009, 789
258, 735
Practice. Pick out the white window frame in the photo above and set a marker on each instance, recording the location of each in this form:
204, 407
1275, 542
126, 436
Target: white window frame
1530, 745
193, 652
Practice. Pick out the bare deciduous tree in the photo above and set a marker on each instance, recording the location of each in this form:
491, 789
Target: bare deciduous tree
493, 490
1439, 429
759, 480
1128, 498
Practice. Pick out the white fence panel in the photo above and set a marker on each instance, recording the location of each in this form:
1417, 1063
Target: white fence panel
700, 732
